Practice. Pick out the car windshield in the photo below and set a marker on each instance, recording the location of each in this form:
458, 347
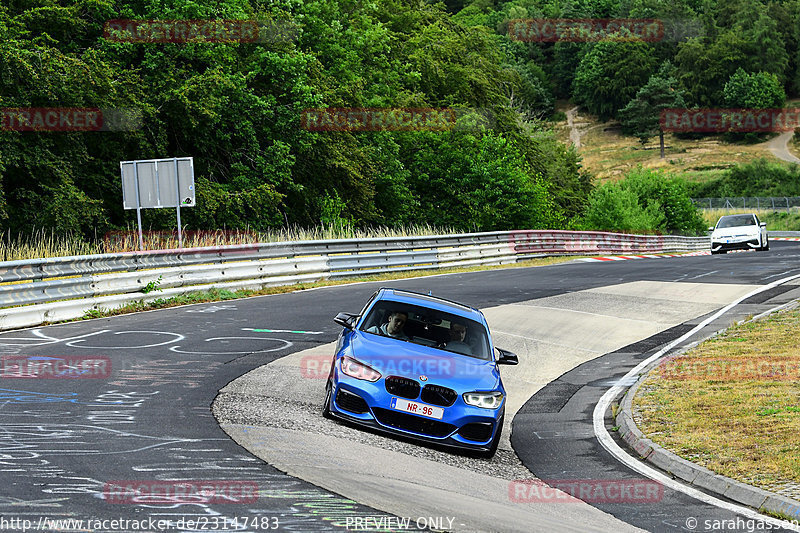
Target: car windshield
429, 327
734, 221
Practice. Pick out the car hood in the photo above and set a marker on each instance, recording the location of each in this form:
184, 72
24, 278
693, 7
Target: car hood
739, 231
392, 357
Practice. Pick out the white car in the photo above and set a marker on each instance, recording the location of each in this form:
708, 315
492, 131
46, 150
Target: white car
739, 232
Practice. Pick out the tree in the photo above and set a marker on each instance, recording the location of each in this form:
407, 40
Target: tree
610, 74
704, 65
473, 182
754, 91
237, 108
641, 117
768, 50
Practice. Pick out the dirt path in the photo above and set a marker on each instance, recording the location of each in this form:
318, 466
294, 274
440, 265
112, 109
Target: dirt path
574, 134
779, 147
574, 131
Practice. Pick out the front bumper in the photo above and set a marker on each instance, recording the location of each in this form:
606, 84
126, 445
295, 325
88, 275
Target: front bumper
744, 244
367, 404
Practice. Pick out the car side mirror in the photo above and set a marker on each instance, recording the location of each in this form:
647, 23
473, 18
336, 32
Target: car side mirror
763, 224
506, 357
711, 228
346, 320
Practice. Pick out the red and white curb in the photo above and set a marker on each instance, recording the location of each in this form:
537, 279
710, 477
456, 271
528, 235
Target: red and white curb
688, 254
646, 256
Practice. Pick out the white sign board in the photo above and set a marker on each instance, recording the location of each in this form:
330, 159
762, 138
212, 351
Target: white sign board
154, 183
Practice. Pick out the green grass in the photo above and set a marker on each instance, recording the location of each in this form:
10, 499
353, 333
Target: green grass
732, 404
776, 220
782, 221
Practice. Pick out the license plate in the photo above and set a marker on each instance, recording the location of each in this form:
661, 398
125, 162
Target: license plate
417, 408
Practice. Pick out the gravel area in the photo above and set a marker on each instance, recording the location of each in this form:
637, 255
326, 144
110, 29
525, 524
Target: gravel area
264, 411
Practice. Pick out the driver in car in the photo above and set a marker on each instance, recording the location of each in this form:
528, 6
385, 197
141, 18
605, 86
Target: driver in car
394, 327
458, 332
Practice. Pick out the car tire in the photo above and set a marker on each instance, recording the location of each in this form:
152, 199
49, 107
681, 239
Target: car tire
326, 407
488, 454
765, 248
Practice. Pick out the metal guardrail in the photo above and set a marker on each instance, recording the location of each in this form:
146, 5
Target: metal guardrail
792, 234
775, 203
66, 287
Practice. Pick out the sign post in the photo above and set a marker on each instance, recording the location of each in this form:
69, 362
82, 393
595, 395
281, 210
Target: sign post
156, 183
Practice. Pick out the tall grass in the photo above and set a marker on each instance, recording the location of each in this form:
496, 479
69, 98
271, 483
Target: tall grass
42, 244
776, 220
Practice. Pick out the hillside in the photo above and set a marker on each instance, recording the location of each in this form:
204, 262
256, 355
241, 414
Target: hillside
240, 106
608, 154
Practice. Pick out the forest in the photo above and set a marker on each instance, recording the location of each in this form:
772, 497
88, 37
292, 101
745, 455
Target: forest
237, 107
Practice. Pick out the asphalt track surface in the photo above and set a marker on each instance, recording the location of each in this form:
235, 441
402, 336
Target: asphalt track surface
65, 443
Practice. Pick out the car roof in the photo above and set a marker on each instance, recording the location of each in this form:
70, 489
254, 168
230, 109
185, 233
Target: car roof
428, 300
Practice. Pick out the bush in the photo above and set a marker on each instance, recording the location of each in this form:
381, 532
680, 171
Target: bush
477, 183
645, 201
761, 177
614, 208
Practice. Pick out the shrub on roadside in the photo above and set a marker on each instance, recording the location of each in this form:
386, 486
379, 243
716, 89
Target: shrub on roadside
645, 201
761, 177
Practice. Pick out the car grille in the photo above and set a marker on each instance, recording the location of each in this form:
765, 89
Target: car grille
477, 431
403, 387
415, 424
438, 395
351, 402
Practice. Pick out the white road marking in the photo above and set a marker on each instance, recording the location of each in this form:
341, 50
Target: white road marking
598, 419
286, 344
178, 337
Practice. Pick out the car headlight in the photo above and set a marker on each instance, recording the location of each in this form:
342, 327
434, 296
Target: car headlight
358, 370
487, 400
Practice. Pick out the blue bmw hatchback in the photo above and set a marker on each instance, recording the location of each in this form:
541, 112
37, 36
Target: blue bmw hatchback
422, 367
